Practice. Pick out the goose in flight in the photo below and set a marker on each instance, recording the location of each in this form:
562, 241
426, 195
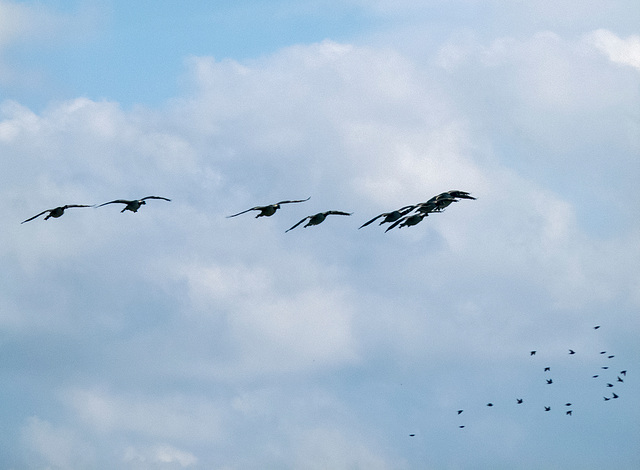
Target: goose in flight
549, 381
318, 218
408, 220
268, 211
547, 408
460, 411
533, 353
571, 351
390, 217
134, 205
519, 401
55, 212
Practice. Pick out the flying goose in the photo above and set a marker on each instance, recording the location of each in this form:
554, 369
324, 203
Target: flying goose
134, 205
55, 212
268, 211
408, 220
519, 401
318, 218
390, 216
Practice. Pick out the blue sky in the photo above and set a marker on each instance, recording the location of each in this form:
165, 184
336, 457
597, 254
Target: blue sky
176, 337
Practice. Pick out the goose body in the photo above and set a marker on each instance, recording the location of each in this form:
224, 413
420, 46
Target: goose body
55, 212
317, 218
269, 210
390, 217
133, 205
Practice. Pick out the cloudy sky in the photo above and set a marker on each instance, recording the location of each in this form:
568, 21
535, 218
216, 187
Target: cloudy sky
176, 337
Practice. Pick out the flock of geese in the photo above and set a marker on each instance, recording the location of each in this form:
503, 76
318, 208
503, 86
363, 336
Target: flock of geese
609, 376
404, 217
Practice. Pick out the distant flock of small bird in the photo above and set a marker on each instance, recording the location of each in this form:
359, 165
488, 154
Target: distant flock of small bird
567, 406
404, 217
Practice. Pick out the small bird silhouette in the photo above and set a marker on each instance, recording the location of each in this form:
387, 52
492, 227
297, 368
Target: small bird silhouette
569, 412
623, 372
604, 367
603, 352
567, 404
411, 435
135, 204
547, 369
549, 381
533, 353
489, 404
519, 401
318, 218
596, 327
571, 351
614, 396
460, 411
610, 357
619, 379
408, 221
595, 376
606, 399
461, 426
547, 408
269, 210
55, 212
609, 385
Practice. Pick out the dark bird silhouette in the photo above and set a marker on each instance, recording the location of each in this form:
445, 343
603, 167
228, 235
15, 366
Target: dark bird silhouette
459, 194
619, 379
549, 381
547, 369
461, 426
55, 212
609, 385
411, 435
268, 211
318, 218
595, 376
547, 408
596, 327
489, 404
569, 412
533, 353
604, 367
610, 357
567, 404
603, 352
135, 204
623, 372
407, 221
614, 396
571, 351
519, 401
606, 399
460, 411
390, 217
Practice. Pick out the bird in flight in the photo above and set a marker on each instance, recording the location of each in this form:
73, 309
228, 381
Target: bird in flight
268, 211
614, 396
606, 399
595, 376
390, 217
547, 408
460, 411
549, 381
519, 401
408, 221
610, 357
609, 385
604, 367
533, 353
411, 435
135, 204
603, 352
571, 351
623, 372
547, 369
55, 212
567, 404
318, 218
489, 404
619, 379
461, 426
596, 327
569, 412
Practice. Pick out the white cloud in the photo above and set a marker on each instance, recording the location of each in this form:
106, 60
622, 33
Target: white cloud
622, 51
159, 455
